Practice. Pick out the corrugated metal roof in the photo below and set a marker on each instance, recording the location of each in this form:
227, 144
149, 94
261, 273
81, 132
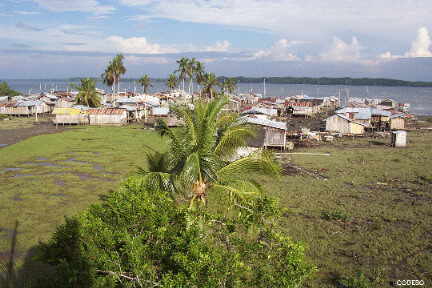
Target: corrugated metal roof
265, 122
397, 116
106, 111
261, 110
349, 120
159, 111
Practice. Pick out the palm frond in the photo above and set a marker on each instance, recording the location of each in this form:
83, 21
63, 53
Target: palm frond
260, 162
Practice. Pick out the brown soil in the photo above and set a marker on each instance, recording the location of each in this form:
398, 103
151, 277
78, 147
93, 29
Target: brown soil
12, 136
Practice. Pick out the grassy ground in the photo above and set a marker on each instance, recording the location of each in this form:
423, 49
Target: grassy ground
17, 122
46, 177
373, 215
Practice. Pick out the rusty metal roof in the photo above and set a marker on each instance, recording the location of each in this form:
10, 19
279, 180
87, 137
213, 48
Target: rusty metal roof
106, 111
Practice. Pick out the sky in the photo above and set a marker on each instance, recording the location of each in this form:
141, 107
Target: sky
337, 38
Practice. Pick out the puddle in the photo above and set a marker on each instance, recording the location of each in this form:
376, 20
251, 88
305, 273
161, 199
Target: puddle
59, 182
11, 169
58, 195
3, 145
17, 198
75, 161
84, 176
42, 159
98, 167
43, 164
22, 175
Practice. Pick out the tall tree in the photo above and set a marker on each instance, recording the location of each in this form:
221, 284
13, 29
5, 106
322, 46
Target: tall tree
145, 82
209, 84
229, 85
197, 163
108, 77
87, 94
199, 73
172, 82
182, 70
118, 69
191, 68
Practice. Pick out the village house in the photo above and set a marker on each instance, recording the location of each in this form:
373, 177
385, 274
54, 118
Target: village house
107, 116
339, 123
270, 133
70, 116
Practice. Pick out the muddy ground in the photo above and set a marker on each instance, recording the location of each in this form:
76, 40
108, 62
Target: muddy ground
12, 136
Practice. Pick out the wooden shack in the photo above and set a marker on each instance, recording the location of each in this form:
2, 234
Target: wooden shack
24, 108
107, 116
270, 133
341, 124
397, 122
69, 116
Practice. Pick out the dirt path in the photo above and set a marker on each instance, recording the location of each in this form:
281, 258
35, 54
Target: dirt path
12, 136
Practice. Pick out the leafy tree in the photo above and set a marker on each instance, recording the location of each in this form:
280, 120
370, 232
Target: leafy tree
87, 94
209, 84
197, 165
5, 90
142, 238
145, 82
172, 82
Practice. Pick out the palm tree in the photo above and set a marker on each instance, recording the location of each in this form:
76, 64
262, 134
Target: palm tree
191, 67
209, 83
108, 77
197, 165
199, 73
118, 69
172, 81
229, 85
87, 94
145, 82
182, 70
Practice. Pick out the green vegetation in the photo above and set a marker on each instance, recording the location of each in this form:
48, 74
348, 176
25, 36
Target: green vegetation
145, 82
15, 122
113, 72
368, 224
172, 82
87, 94
378, 201
5, 90
196, 164
46, 177
140, 238
331, 81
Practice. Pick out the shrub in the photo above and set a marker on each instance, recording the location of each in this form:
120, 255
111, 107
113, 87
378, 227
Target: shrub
141, 238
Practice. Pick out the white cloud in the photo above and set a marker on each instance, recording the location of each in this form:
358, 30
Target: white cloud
298, 19
341, 51
220, 46
137, 45
420, 47
135, 60
91, 6
280, 51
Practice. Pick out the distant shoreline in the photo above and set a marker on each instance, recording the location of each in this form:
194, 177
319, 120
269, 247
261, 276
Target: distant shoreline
344, 81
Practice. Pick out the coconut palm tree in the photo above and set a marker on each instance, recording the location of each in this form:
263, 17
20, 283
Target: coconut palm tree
118, 69
191, 68
197, 163
229, 85
182, 70
108, 77
199, 73
145, 82
87, 94
209, 84
172, 82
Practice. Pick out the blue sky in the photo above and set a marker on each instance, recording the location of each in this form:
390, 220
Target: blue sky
368, 38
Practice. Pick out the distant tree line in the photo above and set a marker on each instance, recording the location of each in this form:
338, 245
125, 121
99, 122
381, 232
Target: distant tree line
333, 81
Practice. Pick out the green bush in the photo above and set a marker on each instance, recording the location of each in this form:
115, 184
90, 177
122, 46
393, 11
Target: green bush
5, 90
139, 238
358, 281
